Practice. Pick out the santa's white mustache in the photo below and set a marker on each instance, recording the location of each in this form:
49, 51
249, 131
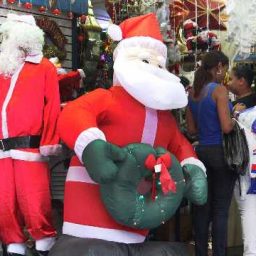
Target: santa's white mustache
152, 86
159, 73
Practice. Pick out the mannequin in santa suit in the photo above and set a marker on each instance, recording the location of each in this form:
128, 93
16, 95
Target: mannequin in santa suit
134, 110
30, 105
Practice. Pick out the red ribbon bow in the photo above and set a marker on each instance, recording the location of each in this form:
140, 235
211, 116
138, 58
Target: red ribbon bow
167, 183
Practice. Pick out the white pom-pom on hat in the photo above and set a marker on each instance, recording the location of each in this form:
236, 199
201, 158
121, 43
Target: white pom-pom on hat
115, 32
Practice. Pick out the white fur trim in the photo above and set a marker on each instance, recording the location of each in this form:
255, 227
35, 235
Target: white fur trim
45, 244
85, 138
189, 22
193, 160
6, 101
51, 150
115, 235
81, 73
19, 248
28, 19
79, 174
115, 32
142, 41
34, 58
54, 60
4, 154
23, 155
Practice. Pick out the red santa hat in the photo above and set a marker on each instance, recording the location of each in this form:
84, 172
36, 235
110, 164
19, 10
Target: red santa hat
143, 31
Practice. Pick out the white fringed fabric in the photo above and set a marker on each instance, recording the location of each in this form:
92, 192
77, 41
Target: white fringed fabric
242, 25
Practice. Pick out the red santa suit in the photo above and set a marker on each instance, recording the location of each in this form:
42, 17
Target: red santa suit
114, 119
29, 105
127, 113
69, 83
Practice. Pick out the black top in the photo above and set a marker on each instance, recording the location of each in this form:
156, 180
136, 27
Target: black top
249, 101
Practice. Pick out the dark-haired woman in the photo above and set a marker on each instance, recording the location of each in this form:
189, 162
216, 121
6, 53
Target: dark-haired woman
208, 114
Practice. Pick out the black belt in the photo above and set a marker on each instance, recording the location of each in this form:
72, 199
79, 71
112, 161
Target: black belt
20, 142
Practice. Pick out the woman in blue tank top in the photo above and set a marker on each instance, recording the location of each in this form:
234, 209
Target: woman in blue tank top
208, 115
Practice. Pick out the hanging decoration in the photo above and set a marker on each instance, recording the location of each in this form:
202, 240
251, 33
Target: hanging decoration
242, 25
120, 10
42, 9
105, 65
56, 7
163, 16
51, 28
90, 47
178, 13
70, 15
28, 5
206, 13
199, 39
83, 19
147, 6
190, 32
56, 12
81, 37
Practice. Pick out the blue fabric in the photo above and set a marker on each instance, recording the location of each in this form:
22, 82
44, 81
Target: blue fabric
252, 189
205, 114
79, 6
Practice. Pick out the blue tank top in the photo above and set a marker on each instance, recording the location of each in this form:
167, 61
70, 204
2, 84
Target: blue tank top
206, 117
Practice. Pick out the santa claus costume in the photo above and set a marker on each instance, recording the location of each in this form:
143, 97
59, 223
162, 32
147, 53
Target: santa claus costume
29, 106
134, 110
69, 81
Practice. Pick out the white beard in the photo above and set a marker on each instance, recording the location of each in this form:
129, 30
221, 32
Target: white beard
11, 58
153, 87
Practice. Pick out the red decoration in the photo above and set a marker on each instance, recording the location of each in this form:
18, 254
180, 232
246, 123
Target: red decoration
83, 18
42, 8
28, 5
11, 1
178, 13
167, 183
80, 38
56, 12
70, 15
214, 9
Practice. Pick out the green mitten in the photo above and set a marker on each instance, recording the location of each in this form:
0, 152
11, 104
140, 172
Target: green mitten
196, 184
102, 159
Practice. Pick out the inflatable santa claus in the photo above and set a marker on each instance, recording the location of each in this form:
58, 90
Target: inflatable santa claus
127, 174
29, 107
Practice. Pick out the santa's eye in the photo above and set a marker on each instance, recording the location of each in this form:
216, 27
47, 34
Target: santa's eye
145, 61
160, 66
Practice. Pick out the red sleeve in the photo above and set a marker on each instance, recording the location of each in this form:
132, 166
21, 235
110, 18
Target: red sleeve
50, 139
82, 114
71, 78
179, 145
68, 83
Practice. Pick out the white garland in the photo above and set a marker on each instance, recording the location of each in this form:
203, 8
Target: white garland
242, 25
